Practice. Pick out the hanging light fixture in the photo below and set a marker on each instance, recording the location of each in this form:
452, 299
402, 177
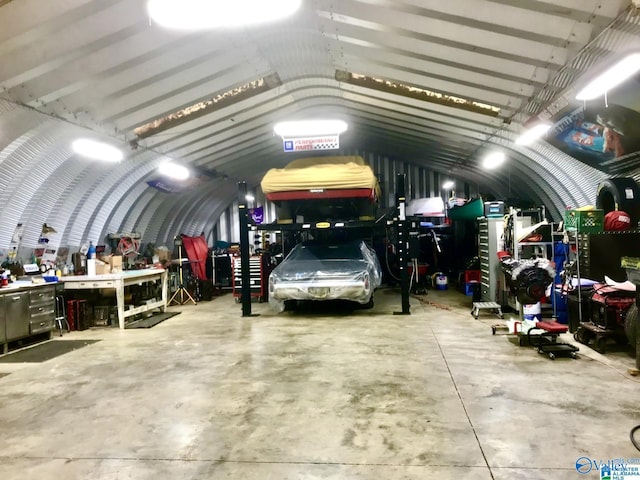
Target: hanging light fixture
203, 14
611, 78
96, 150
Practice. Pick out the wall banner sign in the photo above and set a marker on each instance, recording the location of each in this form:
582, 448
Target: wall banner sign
324, 142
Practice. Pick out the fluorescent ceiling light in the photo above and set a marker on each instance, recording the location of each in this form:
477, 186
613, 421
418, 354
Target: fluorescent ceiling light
305, 128
96, 150
493, 160
175, 171
611, 78
448, 184
201, 14
532, 134
249, 198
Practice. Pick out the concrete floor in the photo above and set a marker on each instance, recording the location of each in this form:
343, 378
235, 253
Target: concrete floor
314, 395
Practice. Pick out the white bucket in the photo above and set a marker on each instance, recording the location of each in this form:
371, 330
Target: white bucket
441, 281
532, 311
514, 326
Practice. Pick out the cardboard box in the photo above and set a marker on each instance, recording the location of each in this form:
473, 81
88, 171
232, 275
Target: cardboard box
116, 263
102, 268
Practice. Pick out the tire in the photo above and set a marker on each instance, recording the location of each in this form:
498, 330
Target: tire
290, 305
582, 336
631, 324
369, 304
620, 193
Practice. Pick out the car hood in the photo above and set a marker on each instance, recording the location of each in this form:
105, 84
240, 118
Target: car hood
320, 269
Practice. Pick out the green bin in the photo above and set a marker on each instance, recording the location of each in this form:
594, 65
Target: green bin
584, 221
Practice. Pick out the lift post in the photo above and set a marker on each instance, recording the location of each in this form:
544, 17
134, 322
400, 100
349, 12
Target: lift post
245, 274
402, 226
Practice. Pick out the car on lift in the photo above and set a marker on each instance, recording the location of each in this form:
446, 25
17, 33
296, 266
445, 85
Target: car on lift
322, 271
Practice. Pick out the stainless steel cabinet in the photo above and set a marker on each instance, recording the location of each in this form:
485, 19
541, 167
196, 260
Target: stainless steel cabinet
42, 312
16, 307
25, 312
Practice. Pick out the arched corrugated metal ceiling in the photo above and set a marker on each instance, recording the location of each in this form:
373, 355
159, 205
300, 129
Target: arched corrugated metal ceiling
101, 68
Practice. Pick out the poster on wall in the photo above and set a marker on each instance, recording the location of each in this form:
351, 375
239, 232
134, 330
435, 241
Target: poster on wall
603, 133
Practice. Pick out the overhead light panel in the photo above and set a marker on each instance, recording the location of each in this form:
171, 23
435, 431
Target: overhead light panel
532, 134
310, 127
97, 150
174, 171
493, 160
204, 14
448, 185
611, 78
249, 198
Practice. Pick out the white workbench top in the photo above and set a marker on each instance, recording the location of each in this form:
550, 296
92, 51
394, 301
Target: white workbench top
112, 276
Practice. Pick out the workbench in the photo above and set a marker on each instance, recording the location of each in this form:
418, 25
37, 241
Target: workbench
119, 281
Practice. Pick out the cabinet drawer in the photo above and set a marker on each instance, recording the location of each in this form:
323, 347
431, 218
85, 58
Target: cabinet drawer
41, 326
42, 295
85, 285
40, 311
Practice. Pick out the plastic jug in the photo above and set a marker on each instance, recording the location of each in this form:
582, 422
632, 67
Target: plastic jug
91, 252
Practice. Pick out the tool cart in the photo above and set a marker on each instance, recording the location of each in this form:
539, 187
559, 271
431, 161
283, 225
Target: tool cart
258, 278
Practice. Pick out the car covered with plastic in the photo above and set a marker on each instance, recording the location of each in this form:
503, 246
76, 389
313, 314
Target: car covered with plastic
326, 271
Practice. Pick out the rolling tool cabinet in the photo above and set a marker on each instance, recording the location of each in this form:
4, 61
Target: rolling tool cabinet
257, 278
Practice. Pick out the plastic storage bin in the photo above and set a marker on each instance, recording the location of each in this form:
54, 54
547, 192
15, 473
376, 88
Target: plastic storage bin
470, 288
584, 221
472, 276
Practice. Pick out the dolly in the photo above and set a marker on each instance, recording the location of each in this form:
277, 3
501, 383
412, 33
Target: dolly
547, 341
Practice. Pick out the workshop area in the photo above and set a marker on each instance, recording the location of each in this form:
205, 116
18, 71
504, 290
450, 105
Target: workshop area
318, 239
314, 394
